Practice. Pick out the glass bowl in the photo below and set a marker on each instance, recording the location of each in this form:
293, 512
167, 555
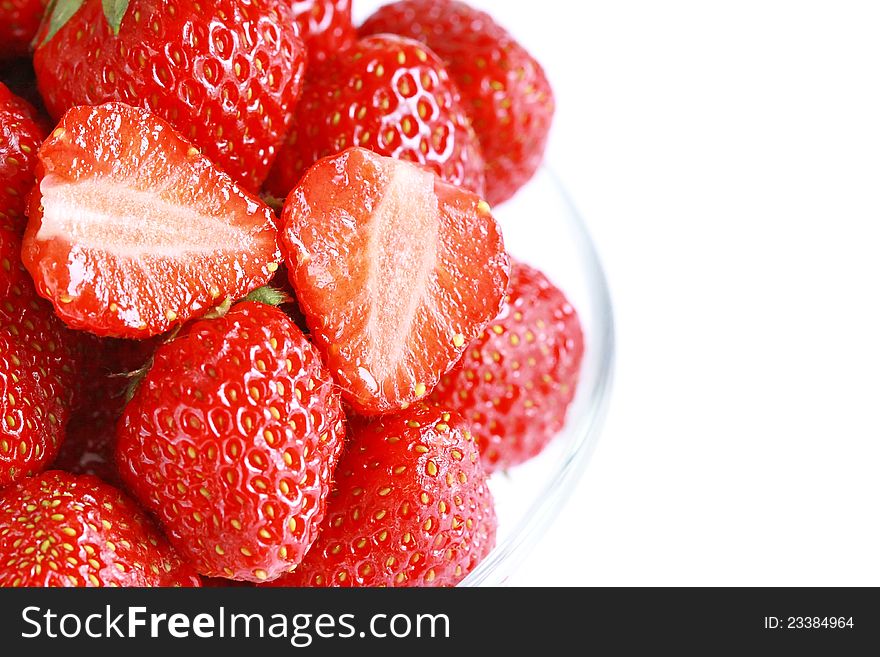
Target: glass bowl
542, 228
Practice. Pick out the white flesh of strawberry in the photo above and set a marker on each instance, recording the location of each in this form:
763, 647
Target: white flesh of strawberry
402, 255
129, 223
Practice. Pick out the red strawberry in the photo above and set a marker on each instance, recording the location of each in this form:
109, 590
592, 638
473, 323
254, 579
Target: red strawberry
516, 381
395, 271
325, 26
19, 21
503, 88
231, 441
410, 507
387, 94
20, 136
60, 529
226, 73
133, 231
38, 361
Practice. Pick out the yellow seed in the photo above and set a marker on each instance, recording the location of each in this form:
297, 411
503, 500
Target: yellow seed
458, 340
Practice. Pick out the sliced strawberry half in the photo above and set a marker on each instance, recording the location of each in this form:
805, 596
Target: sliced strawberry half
395, 270
132, 230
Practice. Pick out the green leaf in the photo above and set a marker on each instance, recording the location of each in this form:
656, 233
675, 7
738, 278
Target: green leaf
114, 11
62, 11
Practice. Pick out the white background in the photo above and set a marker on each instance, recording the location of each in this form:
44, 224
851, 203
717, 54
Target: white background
726, 156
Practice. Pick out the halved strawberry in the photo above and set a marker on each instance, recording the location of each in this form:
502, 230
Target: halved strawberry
395, 270
132, 230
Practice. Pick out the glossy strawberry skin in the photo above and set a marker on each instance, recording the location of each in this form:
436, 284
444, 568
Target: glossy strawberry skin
225, 73
504, 89
21, 134
38, 369
60, 529
325, 26
389, 95
395, 271
410, 506
515, 382
231, 441
168, 237
19, 21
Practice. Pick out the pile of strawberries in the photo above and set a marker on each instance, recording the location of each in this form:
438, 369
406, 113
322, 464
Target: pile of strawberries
201, 382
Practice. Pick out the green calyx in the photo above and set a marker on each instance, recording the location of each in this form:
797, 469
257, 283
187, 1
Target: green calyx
114, 12
61, 11
269, 295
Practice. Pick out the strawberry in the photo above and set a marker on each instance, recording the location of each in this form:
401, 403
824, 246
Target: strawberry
231, 441
517, 379
390, 95
410, 506
325, 26
21, 134
38, 368
226, 73
395, 270
503, 88
60, 529
19, 21
132, 231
